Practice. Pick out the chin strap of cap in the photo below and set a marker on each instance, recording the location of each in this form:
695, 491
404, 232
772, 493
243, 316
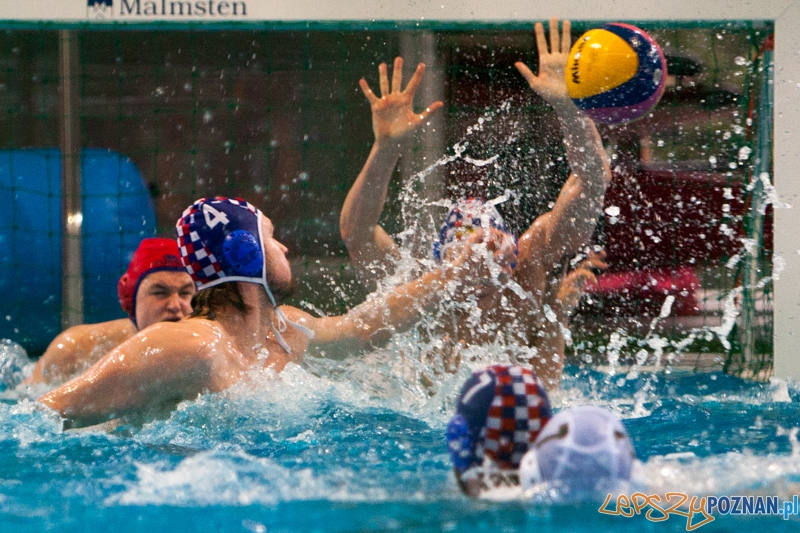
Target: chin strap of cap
282, 323
281, 317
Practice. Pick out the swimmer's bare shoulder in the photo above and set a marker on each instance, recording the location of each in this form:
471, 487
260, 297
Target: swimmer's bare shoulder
533, 254
192, 357
199, 348
79, 347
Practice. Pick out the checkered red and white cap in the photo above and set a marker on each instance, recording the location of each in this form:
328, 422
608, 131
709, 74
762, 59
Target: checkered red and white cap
502, 408
518, 412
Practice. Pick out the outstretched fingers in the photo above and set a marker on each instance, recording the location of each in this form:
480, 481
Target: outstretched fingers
596, 261
371, 98
549, 82
393, 115
555, 40
541, 42
397, 81
430, 110
415, 80
384, 79
559, 43
523, 69
566, 36
397, 75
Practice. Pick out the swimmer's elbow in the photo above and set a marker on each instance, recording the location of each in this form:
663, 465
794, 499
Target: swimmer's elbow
358, 242
352, 233
71, 416
365, 336
363, 333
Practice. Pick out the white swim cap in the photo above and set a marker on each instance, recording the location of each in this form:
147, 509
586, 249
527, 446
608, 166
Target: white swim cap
583, 448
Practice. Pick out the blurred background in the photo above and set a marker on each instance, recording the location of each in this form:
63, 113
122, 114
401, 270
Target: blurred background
273, 113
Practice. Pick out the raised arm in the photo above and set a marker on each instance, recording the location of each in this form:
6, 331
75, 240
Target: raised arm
571, 222
393, 122
562, 295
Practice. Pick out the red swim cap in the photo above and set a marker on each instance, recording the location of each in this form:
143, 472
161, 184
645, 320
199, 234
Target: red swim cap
152, 255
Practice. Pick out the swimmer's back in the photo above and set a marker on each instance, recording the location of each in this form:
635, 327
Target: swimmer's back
193, 357
78, 348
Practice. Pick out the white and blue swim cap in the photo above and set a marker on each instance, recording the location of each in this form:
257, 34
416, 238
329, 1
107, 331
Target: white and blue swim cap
582, 449
464, 218
221, 241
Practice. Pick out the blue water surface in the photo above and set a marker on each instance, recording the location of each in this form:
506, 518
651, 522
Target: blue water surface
362, 449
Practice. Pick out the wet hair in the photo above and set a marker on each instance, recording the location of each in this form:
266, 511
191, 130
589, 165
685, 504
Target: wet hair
206, 303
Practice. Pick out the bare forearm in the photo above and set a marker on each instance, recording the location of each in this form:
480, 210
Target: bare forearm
375, 320
90, 399
131, 379
580, 202
549, 365
587, 158
406, 304
365, 200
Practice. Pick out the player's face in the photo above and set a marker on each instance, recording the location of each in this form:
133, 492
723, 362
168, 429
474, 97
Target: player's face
502, 246
279, 272
164, 296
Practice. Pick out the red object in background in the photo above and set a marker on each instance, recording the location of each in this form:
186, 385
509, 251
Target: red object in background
660, 226
643, 292
672, 218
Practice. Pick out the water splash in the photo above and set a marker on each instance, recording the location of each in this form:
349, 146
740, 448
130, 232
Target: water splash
236, 478
14, 364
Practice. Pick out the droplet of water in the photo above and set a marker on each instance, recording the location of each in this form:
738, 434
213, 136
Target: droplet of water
744, 153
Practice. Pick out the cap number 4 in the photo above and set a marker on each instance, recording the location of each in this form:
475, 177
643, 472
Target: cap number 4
214, 217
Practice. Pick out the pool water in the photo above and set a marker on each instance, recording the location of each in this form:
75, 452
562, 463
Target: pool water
340, 446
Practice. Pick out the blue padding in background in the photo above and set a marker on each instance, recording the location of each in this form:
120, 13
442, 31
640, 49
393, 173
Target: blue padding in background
117, 214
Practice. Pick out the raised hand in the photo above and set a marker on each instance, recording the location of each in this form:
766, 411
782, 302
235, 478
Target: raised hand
575, 283
393, 116
550, 83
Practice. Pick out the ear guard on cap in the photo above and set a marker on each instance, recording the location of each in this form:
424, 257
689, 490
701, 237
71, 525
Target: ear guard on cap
459, 444
581, 449
243, 253
125, 294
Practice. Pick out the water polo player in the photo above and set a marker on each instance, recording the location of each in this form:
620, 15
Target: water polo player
530, 308
240, 271
499, 414
155, 288
504, 440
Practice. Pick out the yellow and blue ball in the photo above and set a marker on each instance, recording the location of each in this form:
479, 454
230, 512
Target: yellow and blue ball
616, 73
